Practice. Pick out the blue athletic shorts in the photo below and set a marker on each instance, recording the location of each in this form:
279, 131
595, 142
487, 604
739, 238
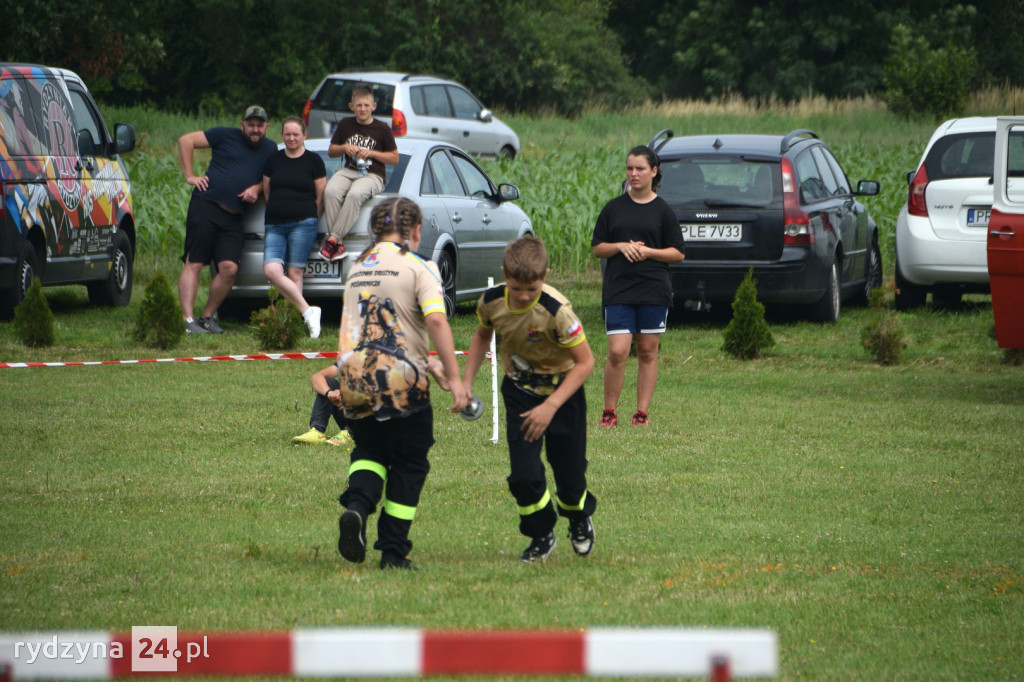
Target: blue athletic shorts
635, 319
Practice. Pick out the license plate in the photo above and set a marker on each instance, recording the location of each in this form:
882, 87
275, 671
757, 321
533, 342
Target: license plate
712, 233
978, 217
316, 269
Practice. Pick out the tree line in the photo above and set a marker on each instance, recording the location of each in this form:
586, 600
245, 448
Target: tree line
216, 56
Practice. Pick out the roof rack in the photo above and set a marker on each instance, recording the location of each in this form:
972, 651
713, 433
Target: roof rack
788, 140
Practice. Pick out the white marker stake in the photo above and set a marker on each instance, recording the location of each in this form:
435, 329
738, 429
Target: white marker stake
494, 379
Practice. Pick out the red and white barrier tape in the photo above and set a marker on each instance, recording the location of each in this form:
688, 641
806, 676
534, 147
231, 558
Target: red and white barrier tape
393, 652
208, 358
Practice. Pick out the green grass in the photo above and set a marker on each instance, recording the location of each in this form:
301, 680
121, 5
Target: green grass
871, 516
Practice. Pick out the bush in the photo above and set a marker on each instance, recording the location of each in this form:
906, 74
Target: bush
33, 319
921, 81
747, 335
159, 322
883, 338
279, 325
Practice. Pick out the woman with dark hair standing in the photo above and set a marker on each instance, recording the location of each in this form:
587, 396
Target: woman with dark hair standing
639, 235
293, 184
394, 307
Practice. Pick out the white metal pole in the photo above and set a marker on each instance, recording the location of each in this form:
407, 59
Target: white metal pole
494, 379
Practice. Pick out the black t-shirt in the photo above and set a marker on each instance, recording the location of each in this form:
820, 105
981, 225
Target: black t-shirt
375, 135
292, 186
655, 224
234, 165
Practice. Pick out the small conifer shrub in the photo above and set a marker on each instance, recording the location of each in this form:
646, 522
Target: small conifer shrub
279, 325
883, 337
33, 320
159, 323
747, 336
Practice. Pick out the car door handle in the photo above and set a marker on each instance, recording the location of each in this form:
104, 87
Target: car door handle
997, 233
486, 220
456, 218
465, 133
434, 131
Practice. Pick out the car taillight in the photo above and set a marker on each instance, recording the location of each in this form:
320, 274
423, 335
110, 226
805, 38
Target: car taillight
796, 224
915, 195
305, 111
398, 124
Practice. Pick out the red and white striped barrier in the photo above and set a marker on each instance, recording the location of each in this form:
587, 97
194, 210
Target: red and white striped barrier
393, 652
328, 355
209, 358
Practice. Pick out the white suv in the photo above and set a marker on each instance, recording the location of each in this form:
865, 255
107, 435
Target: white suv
941, 230
426, 107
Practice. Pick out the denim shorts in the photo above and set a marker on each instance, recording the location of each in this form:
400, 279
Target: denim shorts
289, 243
635, 319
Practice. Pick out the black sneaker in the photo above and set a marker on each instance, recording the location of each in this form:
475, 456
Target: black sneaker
581, 535
539, 548
390, 560
210, 325
351, 542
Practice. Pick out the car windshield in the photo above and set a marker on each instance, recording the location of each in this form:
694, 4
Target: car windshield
718, 181
394, 173
337, 93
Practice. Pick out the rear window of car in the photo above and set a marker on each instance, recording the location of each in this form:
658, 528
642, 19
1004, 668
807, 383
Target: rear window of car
965, 155
719, 181
336, 94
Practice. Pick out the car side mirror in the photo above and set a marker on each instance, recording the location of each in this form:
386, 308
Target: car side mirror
507, 192
868, 188
124, 138
485, 115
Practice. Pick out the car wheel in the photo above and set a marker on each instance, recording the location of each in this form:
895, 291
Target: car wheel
116, 289
507, 152
24, 273
446, 266
874, 273
827, 309
947, 295
908, 294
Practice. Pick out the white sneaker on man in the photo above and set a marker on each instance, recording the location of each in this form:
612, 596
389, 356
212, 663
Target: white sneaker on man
312, 319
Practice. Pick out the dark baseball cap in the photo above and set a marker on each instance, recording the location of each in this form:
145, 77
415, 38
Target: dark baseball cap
256, 112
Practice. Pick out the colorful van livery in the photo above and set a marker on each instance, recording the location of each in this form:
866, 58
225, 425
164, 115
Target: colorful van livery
66, 212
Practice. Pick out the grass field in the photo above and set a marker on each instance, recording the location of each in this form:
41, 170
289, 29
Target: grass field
871, 516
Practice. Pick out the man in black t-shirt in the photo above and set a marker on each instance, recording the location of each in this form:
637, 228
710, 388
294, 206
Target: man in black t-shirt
213, 227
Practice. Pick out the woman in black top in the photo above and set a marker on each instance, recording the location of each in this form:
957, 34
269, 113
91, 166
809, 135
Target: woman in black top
293, 184
639, 235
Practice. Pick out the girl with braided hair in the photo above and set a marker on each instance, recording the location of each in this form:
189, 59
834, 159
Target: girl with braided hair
393, 308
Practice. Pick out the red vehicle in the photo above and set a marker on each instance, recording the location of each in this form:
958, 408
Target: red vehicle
1005, 244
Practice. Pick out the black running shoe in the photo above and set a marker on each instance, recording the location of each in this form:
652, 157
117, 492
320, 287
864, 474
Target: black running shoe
581, 535
539, 548
351, 543
390, 560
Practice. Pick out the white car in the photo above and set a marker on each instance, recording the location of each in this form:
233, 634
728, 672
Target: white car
467, 222
427, 107
941, 230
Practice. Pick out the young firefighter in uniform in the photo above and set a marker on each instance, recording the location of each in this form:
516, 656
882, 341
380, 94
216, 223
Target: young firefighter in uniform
546, 359
393, 302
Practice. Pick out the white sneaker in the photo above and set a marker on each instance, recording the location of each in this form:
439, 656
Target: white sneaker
312, 319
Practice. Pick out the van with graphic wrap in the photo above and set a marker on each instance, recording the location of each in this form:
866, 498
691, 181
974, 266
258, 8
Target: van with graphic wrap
66, 211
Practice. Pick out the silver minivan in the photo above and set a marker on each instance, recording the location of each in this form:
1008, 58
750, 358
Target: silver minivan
424, 107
